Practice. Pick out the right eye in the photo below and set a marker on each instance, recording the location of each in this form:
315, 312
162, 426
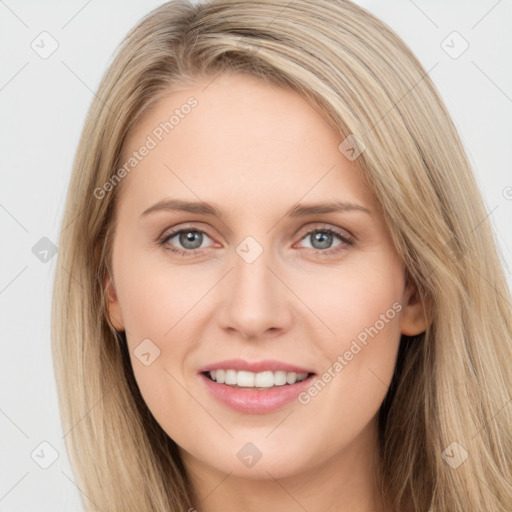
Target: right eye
190, 239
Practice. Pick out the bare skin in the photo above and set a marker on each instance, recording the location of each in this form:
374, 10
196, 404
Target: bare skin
256, 150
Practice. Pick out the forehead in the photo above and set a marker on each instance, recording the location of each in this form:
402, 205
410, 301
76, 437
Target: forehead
239, 140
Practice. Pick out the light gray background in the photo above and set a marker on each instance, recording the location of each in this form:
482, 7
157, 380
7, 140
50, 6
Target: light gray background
43, 105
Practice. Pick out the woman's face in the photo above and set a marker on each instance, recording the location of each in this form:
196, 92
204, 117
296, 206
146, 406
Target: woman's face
263, 273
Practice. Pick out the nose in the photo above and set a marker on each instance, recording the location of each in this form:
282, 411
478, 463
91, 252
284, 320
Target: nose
258, 303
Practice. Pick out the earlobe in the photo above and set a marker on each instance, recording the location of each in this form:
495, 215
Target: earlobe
413, 321
112, 305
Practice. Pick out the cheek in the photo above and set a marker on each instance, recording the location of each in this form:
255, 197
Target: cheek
155, 296
161, 307
363, 307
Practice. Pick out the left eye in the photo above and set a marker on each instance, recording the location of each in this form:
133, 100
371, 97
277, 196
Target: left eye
322, 239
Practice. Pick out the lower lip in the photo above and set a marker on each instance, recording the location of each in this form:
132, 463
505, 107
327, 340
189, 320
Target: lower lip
254, 401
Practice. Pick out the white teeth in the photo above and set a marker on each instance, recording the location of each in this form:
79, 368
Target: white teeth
264, 380
291, 377
245, 379
230, 377
280, 378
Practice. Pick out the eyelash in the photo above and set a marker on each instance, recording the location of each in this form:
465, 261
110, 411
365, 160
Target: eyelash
345, 241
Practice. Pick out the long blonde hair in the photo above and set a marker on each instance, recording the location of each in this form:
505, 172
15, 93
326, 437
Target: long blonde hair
451, 384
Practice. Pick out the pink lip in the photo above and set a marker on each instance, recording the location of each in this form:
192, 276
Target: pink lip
254, 401
255, 366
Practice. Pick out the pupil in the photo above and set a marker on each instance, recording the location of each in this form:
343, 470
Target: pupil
324, 239
188, 239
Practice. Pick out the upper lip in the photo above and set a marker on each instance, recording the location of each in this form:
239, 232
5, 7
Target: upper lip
254, 366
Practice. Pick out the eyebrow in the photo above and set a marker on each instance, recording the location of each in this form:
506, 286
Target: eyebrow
299, 210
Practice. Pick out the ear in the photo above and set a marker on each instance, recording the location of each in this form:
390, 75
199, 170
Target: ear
112, 305
413, 321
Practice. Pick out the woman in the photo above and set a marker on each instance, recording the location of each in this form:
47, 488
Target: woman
281, 290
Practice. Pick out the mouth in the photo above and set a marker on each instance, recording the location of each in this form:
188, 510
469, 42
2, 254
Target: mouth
270, 387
